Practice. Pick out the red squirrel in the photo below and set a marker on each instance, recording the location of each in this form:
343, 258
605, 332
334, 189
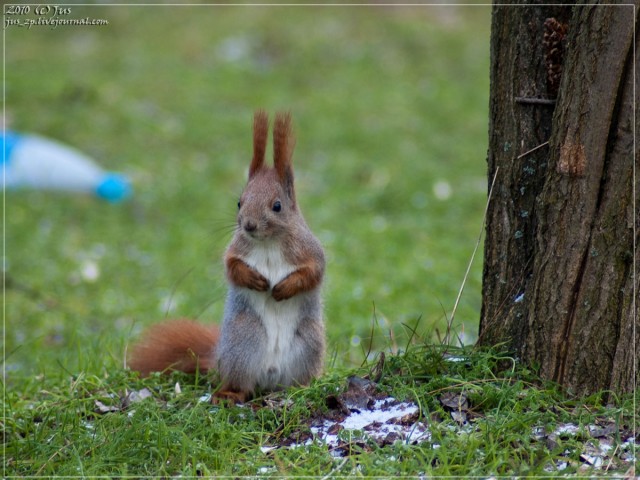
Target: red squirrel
272, 334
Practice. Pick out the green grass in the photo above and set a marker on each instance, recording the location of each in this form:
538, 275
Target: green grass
57, 430
389, 104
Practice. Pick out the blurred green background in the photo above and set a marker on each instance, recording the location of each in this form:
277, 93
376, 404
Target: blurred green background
390, 106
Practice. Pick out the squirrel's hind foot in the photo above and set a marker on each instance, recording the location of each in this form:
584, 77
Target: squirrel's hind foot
229, 396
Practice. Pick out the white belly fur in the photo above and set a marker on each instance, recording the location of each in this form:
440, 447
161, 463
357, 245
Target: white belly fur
280, 319
267, 258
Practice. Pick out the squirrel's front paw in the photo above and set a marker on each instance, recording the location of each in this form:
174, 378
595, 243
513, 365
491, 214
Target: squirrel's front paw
284, 290
257, 282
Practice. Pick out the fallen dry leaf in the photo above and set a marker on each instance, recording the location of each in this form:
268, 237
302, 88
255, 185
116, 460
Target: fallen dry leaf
102, 408
134, 396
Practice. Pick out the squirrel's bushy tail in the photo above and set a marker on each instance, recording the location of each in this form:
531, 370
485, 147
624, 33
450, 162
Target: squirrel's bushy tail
182, 345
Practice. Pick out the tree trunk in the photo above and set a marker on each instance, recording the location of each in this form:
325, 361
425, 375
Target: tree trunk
560, 280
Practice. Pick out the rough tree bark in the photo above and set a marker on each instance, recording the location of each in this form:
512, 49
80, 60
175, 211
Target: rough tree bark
558, 282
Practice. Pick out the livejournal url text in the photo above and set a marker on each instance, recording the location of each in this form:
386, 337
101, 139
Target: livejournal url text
52, 16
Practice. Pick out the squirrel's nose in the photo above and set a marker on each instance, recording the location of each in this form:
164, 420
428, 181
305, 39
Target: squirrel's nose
250, 226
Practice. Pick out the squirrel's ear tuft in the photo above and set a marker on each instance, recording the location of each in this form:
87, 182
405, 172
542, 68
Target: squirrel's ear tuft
283, 143
260, 133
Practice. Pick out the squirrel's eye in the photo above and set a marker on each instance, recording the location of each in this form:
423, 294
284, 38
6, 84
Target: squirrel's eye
238, 204
277, 206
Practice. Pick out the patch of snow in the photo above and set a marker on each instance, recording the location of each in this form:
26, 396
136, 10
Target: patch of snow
566, 428
539, 433
376, 424
628, 443
594, 455
359, 420
605, 447
265, 470
592, 460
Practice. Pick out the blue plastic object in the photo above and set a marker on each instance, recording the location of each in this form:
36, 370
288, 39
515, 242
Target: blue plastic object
31, 161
